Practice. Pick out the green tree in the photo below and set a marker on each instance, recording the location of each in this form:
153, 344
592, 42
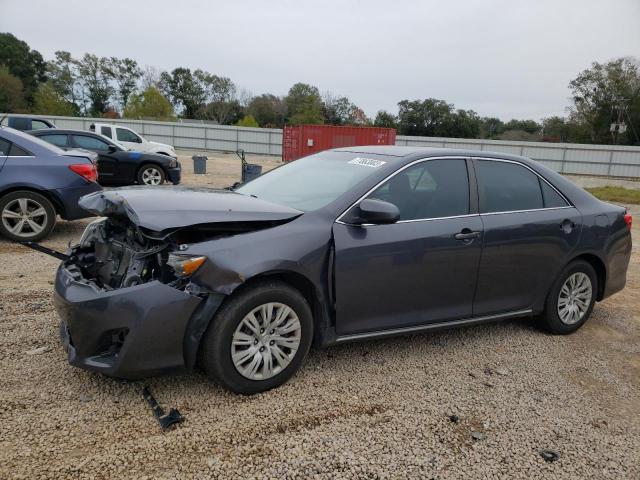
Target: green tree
65, 79
491, 127
529, 126
96, 77
247, 121
126, 74
23, 63
150, 104
304, 104
268, 110
341, 111
385, 119
11, 92
184, 90
47, 101
603, 93
220, 93
430, 117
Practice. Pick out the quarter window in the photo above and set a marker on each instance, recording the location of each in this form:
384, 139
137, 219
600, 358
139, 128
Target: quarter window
551, 198
58, 139
125, 135
431, 189
4, 147
505, 187
90, 143
16, 151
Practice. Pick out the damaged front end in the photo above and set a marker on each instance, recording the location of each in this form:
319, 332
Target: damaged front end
125, 295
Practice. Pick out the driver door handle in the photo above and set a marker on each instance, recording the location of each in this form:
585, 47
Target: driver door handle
466, 234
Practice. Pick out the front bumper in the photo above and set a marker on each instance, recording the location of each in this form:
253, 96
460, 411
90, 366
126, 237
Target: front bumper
175, 174
127, 333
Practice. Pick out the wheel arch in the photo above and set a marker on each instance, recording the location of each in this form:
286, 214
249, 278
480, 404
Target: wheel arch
599, 267
55, 201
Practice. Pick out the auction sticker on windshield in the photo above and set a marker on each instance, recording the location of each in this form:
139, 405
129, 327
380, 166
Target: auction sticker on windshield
367, 162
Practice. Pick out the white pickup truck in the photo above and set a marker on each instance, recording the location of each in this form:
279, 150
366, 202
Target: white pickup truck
131, 139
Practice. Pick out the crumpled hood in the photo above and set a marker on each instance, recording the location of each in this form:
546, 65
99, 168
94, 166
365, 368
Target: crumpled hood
162, 208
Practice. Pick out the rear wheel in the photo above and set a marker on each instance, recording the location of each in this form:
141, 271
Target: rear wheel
571, 299
258, 339
26, 216
151, 175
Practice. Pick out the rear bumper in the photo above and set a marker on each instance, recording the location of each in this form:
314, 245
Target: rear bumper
69, 197
127, 333
175, 174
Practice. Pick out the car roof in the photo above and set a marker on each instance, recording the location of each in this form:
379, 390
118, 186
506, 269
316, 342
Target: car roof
63, 131
424, 152
25, 140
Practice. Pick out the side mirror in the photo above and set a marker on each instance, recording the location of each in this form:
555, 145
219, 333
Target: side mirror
112, 148
377, 212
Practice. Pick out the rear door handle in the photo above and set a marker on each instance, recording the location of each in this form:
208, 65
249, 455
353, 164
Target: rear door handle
466, 234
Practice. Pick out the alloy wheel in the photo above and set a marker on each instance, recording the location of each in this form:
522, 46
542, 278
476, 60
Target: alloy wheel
266, 341
24, 217
574, 298
151, 176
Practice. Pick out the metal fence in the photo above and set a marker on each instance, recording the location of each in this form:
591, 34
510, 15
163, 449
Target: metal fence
569, 158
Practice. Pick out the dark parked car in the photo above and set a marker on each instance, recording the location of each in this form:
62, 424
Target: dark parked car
116, 164
344, 245
25, 123
37, 182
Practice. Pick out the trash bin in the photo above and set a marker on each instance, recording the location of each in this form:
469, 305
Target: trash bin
199, 164
250, 171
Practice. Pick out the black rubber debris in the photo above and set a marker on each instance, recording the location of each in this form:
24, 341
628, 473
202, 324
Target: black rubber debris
549, 455
164, 419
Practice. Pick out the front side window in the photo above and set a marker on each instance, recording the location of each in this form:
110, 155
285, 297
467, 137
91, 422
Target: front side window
57, 139
38, 125
125, 135
90, 143
431, 189
106, 131
507, 187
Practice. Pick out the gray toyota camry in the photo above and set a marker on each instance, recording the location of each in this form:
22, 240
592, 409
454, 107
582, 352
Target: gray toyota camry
348, 244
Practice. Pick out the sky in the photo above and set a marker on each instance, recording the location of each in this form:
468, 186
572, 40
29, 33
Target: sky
504, 58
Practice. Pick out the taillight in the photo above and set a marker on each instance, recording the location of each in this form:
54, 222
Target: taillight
88, 171
628, 219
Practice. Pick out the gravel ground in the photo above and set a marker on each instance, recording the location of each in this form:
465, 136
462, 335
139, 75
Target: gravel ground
381, 409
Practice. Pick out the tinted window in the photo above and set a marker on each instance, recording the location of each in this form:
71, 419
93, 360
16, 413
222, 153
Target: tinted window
90, 143
16, 151
125, 135
551, 198
38, 125
106, 131
58, 139
505, 187
19, 123
431, 189
4, 147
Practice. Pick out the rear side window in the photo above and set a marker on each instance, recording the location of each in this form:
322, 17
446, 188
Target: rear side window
506, 187
19, 123
106, 131
38, 125
90, 143
431, 189
4, 147
58, 139
16, 151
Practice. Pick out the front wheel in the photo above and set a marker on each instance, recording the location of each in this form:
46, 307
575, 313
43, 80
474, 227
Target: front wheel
258, 339
571, 299
151, 175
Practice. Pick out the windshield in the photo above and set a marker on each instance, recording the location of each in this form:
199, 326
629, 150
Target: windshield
315, 181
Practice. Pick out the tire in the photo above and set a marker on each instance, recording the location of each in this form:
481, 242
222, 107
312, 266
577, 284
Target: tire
584, 277
229, 326
26, 216
151, 174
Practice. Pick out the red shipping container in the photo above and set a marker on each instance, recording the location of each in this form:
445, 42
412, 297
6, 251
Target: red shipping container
302, 140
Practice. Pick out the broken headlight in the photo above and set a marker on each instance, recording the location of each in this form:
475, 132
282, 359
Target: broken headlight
91, 233
185, 265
